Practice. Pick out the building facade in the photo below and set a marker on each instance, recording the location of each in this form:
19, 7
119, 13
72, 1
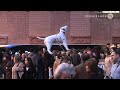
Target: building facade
85, 27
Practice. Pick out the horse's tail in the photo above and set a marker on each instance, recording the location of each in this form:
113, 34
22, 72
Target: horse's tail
41, 38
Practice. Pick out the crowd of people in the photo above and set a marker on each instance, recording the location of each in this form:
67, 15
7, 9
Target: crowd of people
72, 64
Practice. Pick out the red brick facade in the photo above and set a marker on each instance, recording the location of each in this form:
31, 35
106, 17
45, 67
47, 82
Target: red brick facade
21, 27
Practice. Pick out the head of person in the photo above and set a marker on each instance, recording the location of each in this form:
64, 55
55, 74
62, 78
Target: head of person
57, 57
91, 65
28, 61
107, 53
115, 45
17, 59
68, 53
115, 55
108, 45
44, 50
64, 71
90, 53
74, 51
66, 59
23, 56
12, 57
118, 45
85, 57
6, 57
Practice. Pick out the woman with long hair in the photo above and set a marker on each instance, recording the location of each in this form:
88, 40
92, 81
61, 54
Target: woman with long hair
30, 71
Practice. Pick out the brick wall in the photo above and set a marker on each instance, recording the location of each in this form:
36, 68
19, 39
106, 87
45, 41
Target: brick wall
116, 31
39, 25
21, 27
116, 28
80, 27
17, 27
100, 31
4, 32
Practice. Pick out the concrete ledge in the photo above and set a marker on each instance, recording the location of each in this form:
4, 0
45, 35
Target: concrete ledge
80, 40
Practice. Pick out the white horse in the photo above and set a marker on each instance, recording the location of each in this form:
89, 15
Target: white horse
59, 38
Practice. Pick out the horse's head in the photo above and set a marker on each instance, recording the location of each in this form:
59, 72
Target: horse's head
63, 29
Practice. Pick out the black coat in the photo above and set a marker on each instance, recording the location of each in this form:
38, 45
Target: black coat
29, 74
75, 59
8, 74
48, 61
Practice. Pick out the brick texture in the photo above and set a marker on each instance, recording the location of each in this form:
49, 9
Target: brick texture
116, 28
79, 24
21, 27
17, 22
80, 27
39, 23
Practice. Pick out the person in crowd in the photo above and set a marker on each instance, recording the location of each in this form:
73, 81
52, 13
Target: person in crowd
75, 58
115, 69
113, 48
90, 53
35, 59
18, 68
68, 53
64, 71
57, 62
6, 59
63, 54
9, 66
107, 47
80, 69
40, 66
108, 63
93, 69
48, 61
96, 52
23, 57
29, 71
80, 53
66, 59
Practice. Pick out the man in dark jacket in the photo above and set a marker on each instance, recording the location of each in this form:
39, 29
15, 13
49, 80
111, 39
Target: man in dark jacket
48, 61
75, 58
